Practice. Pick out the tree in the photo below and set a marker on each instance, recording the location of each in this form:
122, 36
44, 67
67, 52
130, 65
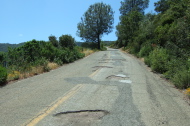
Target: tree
67, 41
161, 6
133, 5
132, 12
53, 40
97, 21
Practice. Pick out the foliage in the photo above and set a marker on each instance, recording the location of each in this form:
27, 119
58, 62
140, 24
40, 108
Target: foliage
182, 79
127, 28
53, 41
90, 45
145, 50
133, 5
161, 6
14, 75
2, 57
35, 57
163, 39
3, 75
67, 41
159, 59
97, 21
4, 46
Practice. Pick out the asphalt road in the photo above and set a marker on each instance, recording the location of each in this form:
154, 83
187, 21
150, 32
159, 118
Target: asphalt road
107, 88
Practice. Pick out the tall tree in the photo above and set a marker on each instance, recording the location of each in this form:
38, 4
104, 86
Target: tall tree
53, 40
161, 6
96, 21
132, 12
133, 5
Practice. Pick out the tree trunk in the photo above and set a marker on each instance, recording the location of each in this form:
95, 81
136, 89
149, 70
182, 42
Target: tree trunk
99, 42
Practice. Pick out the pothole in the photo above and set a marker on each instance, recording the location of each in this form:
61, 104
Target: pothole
113, 59
119, 59
119, 76
81, 118
102, 67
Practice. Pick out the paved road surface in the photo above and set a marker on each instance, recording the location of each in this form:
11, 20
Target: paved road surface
108, 88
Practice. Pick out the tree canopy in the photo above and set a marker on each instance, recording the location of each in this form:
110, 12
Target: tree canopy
132, 12
67, 41
162, 39
96, 21
133, 5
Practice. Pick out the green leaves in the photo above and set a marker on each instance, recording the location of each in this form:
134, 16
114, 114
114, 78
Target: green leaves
67, 41
96, 21
3, 75
53, 40
133, 5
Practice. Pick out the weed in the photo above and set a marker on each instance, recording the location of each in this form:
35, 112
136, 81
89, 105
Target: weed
14, 75
187, 92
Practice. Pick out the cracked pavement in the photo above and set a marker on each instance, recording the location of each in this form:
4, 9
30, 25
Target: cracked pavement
110, 81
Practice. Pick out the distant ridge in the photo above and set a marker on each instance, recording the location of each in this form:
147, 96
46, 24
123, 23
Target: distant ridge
4, 46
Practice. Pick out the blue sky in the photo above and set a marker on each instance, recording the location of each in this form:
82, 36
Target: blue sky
24, 20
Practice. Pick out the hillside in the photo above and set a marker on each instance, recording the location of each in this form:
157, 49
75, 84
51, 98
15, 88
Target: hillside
4, 46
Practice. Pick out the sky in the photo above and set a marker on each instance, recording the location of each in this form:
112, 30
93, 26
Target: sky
24, 20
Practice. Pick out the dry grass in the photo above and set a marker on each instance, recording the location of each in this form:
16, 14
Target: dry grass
52, 66
187, 92
15, 75
88, 52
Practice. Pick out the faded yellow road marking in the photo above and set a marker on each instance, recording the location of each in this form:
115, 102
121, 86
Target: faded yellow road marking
47, 111
95, 72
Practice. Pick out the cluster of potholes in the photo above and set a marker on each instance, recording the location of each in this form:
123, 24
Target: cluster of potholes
82, 117
121, 77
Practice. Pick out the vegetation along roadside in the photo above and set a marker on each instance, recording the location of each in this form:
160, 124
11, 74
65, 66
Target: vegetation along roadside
36, 57
162, 39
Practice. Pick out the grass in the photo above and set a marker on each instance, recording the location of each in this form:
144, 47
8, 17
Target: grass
187, 92
16, 75
88, 51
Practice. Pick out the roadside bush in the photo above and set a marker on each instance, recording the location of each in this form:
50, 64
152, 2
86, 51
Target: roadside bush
173, 66
159, 59
3, 75
145, 50
147, 61
134, 48
182, 79
91, 45
67, 41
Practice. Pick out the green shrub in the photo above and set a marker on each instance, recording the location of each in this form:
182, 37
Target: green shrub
173, 66
159, 59
182, 79
147, 61
58, 61
134, 48
67, 41
145, 50
3, 75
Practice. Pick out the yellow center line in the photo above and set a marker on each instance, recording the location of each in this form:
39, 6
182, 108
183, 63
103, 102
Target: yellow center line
96, 71
48, 110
